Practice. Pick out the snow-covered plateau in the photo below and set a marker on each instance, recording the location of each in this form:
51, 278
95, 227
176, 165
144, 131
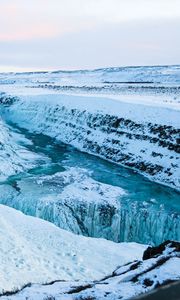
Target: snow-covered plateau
95, 153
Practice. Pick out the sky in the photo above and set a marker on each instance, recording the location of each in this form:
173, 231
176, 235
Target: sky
88, 34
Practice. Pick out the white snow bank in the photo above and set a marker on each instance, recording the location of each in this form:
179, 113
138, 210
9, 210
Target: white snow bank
126, 282
35, 251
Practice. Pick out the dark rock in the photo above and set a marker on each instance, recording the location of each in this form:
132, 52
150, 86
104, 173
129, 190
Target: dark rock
151, 252
148, 282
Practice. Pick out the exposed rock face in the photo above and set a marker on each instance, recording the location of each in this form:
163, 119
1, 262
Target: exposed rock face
160, 267
156, 251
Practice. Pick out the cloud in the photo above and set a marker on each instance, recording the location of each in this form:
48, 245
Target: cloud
141, 44
25, 20
21, 19
70, 34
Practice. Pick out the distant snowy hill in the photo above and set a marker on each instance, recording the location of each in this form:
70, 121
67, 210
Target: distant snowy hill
149, 74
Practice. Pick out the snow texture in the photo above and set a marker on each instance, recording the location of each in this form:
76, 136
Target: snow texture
127, 281
35, 251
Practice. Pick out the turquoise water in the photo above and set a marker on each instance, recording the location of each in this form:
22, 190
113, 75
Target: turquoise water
148, 213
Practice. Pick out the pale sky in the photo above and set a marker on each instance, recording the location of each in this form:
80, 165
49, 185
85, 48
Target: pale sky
87, 34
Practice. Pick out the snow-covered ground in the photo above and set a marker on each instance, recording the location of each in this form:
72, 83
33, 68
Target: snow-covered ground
132, 81
146, 85
126, 282
35, 251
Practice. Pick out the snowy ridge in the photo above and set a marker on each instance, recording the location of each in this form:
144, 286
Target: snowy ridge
35, 251
138, 136
151, 74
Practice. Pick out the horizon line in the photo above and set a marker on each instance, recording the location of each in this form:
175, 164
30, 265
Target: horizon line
85, 69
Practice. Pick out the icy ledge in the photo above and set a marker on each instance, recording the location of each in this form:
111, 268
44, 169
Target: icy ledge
143, 137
